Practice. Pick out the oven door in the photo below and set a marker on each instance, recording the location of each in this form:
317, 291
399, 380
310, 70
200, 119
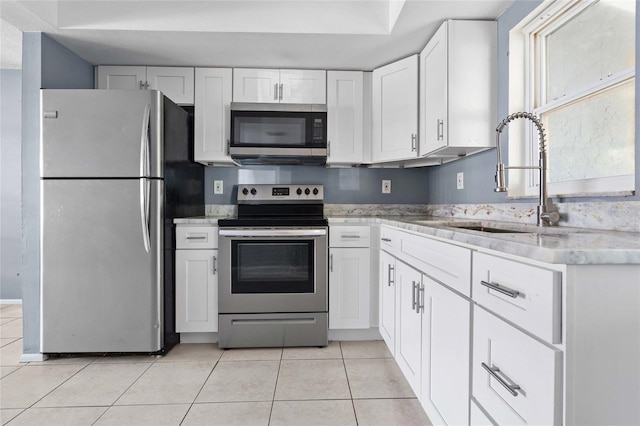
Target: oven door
272, 270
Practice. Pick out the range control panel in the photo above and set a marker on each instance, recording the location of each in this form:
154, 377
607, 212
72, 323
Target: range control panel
289, 193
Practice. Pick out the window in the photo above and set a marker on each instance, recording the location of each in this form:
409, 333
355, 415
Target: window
572, 63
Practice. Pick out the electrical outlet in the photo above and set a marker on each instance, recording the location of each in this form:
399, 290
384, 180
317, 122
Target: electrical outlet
460, 180
386, 187
217, 187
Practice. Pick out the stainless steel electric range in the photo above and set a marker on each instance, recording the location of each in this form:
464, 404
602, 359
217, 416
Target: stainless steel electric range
273, 268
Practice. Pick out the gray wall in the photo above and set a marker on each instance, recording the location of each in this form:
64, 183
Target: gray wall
10, 188
342, 186
47, 65
479, 169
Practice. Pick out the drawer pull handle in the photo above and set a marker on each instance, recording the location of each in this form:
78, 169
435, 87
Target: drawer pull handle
492, 372
389, 280
386, 240
350, 236
502, 289
196, 238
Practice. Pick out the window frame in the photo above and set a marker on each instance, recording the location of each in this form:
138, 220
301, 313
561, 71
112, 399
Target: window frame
527, 92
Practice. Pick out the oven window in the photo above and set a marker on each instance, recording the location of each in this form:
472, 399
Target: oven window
267, 266
270, 131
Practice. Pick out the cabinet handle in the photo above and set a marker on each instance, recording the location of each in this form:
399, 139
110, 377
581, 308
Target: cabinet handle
141, 85
386, 240
331, 262
228, 147
328, 148
214, 265
413, 142
413, 295
440, 129
389, 280
197, 238
419, 298
493, 373
350, 236
281, 91
275, 92
502, 289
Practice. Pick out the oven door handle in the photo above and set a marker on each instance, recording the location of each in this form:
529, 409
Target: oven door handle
272, 232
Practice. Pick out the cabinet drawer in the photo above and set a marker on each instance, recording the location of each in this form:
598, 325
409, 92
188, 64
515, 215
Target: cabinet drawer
446, 263
349, 236
525, 383
534, 300
390, 239
196, 237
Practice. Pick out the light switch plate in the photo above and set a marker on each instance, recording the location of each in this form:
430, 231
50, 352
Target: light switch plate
218, 186
386, 187
460, 180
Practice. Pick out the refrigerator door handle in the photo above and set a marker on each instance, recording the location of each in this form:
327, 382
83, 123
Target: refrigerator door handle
144, 213
145, 164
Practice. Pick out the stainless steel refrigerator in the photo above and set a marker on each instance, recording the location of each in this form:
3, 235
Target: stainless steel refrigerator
115, 170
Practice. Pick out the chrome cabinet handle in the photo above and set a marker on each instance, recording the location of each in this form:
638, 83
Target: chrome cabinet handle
228, 147
493, 373
197, 238
328, 148
214, 265
389, 280
440, 130
419, 298
281, 91
350, 236
275, 92
386, 240
502, 289
413, 142
141, 85
331, 262
413, 295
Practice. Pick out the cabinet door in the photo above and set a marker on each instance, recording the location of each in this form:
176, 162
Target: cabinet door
122, 78
256, 85
433, 93
212, 115
196, 291
409, 324
446, 334
395, 111
345, 114
349, 298
387, 322
175, 82
303, 86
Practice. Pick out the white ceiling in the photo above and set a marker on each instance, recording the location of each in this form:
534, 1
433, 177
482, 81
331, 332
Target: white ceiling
328, 34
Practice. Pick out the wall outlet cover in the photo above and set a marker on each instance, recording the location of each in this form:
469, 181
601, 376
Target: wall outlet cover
460, 180
218, 187
386, 187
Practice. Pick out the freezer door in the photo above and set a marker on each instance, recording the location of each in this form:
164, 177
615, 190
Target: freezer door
101, 266
101, 133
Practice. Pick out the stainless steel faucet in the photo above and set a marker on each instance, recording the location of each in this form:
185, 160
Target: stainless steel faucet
547, 212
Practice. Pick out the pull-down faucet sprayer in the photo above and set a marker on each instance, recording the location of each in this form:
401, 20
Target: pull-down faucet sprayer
547, 212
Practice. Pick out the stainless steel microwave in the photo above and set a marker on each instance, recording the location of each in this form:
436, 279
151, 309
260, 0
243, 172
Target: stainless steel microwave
278, 133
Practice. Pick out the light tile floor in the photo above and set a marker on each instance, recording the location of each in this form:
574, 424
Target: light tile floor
346, 383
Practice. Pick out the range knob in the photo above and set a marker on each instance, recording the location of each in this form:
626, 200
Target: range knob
315, 191
307, 191
253, 191
299, 191
245, 191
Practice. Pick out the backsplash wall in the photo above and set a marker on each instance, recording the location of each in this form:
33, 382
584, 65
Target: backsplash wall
341, 185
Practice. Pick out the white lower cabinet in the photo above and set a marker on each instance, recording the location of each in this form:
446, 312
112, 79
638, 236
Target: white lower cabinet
516, 378
387, 311
446, 342
409, 323
196, 279
349, 287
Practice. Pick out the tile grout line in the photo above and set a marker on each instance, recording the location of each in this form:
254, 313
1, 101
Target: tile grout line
273, 399
344, 365
201, 388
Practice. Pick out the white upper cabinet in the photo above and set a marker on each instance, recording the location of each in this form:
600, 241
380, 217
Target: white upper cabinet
212, 116
458, 89
177, 83
345, 115
275, 86
395, 111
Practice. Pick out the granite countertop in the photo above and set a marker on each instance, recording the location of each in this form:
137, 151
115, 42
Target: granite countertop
559, 245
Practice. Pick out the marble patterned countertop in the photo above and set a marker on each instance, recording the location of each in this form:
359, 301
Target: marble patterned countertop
558, 245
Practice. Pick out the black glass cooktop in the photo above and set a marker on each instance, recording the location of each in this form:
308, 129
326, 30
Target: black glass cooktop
270, 221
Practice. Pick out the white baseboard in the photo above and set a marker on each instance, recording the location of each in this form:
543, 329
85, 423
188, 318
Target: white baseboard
33, 357
355, 334
11, 301
199, 338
